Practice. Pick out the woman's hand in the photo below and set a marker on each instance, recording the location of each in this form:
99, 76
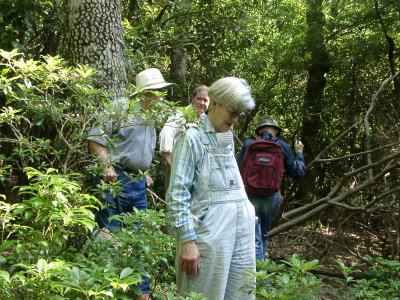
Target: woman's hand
190, 258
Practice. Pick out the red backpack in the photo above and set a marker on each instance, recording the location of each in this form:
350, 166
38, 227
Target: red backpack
262, 167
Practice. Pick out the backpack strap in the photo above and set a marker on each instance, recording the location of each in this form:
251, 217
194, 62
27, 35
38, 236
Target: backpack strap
255, 138
282, 190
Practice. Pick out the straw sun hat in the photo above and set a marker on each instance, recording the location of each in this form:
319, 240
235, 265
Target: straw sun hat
151, 79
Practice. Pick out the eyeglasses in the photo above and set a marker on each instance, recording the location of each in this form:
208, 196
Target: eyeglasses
234, 113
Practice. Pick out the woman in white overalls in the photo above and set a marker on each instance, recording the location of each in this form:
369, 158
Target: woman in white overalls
207, 202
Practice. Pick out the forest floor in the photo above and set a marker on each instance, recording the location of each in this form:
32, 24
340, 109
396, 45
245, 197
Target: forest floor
328, 245
325, 244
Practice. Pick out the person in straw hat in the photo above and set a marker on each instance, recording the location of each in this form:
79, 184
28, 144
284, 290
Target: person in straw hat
125, 149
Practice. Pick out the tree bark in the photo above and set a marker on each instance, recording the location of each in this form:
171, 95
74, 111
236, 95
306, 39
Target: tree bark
133, 12
178, 72
319, 66
391, 54
94, 37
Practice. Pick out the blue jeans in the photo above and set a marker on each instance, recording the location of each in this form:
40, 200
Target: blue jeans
133, 194
265, 208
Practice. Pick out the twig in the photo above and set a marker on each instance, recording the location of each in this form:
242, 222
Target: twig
325, 204
154, 195
366, 119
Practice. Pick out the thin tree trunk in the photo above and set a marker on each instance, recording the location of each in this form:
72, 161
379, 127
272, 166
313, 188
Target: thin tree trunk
391, 58
178, 72
319, 66
133, 12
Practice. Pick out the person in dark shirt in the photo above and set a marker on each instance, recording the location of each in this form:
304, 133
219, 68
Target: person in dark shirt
267, 206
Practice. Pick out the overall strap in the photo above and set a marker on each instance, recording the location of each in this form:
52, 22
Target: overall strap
204, 139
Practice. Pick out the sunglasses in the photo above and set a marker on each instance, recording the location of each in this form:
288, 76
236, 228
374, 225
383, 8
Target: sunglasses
235, 113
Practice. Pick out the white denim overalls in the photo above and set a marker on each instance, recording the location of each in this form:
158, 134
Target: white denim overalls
225, 229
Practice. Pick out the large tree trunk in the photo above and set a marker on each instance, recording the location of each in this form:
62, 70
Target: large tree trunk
94, 38
319, 66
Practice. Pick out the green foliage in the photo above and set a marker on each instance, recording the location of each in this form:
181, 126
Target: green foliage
45, 245
347, 271
292, 279
36, 233
48, 107
48, 110
52, 209
40, 259
384, 284
348, 280
171, 296
30, 26
289, 279
189, 116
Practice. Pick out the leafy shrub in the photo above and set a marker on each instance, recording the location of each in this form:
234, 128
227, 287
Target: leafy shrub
39, 260
384, 284
289, 279
46, 110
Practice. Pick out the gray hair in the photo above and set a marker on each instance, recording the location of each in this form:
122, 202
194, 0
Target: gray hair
232, 92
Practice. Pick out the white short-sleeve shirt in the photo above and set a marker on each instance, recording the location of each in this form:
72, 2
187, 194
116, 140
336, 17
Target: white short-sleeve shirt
170, 132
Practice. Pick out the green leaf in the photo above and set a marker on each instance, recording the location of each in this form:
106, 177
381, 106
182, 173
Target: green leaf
5, 275
125, 272
28, 83
310, 265
5, 71
89, 225
285, 279
9, 55
41, 264
75, 275
39, 120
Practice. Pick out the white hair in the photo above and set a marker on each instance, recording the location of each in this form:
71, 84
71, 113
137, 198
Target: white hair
232, 92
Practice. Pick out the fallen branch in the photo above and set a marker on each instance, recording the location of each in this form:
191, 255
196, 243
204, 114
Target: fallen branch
310, 210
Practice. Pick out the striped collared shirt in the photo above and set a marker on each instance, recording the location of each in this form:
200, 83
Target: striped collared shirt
187, 155
131, 144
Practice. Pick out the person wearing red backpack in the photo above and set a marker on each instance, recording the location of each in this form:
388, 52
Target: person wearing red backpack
262, 169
